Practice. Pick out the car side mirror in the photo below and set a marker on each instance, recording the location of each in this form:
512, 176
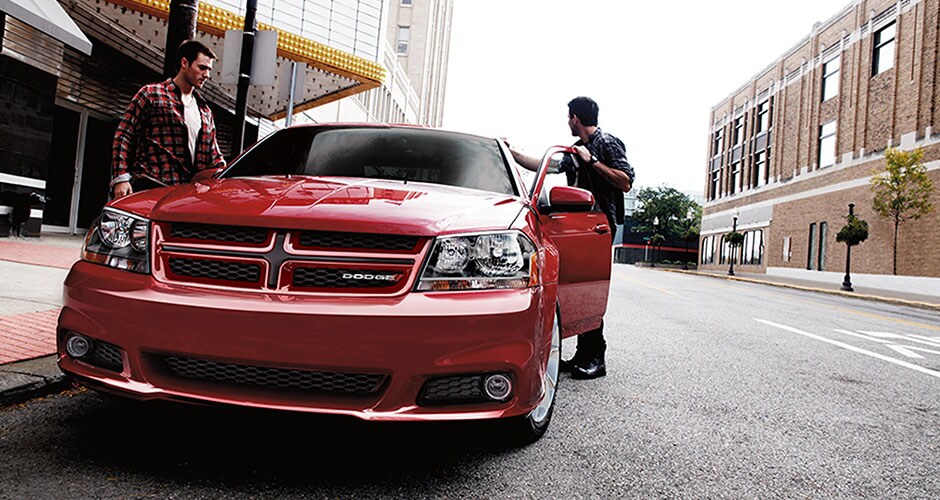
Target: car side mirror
204, 175
567, 199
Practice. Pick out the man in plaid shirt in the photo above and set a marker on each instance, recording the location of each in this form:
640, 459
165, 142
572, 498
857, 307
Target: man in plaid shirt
167, 133
602, 168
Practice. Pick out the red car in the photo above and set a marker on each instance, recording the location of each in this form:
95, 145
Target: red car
384, 272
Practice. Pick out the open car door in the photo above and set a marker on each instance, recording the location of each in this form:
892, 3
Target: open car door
582, 235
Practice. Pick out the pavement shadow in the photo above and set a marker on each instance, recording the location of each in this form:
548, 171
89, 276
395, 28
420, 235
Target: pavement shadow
184, 444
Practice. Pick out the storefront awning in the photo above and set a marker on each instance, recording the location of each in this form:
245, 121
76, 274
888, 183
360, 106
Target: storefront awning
331, 73
49, 17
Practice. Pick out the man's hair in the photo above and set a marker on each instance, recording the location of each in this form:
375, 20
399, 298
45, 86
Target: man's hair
585, 109
190, 49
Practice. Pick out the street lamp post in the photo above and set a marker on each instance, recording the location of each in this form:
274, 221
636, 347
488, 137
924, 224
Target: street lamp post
847, 281
734, 229
653, 241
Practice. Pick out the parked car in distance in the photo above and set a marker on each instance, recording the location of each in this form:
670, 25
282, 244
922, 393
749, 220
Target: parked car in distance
386, 272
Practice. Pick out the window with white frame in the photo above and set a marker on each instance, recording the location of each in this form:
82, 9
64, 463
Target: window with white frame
404, 35
759, 169
827, 144
406, 3
830, 81
735, 177
738, 137
882, 58
762, 124
718, 142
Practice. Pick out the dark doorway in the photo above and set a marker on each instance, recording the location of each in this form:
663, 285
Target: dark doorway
96, 170
61, 175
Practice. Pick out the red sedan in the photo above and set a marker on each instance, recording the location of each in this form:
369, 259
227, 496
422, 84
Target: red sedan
389, 273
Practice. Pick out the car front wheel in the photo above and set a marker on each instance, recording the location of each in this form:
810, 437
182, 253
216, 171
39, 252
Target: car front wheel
529, 428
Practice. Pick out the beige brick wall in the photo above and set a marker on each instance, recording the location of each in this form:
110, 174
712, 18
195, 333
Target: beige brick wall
871, 113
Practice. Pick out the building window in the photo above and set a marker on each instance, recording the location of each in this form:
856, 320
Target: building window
735, 177
811, 254
406, 3
786, 249
758, 169
718, 142
404, 35
827, 144
753, 248
830, 82
708, 250
716, 182
738, 137
821, 257
882, 58
763, 117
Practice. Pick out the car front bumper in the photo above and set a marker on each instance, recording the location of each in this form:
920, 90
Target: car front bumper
400, 341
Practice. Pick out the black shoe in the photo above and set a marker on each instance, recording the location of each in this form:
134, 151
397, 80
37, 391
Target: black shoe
593, 368
567, 365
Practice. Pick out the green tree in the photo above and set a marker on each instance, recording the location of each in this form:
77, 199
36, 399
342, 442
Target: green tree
902, 191
668, 206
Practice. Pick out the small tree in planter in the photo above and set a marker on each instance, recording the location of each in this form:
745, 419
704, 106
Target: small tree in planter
735, 239
902, 191
852, 233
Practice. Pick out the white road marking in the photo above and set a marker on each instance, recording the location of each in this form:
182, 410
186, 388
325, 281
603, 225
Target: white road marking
852, 348
905, 351
861, 336
886, 335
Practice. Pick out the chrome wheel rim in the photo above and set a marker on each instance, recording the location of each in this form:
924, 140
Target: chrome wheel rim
550, 379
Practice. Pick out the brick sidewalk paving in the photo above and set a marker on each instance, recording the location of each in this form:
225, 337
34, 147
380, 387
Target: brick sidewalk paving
31, 335
28, 335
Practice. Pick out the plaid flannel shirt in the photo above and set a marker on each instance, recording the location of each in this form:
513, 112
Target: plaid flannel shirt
610, 151
152, 137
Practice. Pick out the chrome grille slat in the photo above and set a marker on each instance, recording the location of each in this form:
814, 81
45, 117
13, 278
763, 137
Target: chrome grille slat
281, 378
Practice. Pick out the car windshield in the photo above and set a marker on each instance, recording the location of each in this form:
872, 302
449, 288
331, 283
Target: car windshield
405, 154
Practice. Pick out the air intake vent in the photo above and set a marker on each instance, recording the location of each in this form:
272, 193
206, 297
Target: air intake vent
312, 277
215, 269
209, 232
279, 378
357, 241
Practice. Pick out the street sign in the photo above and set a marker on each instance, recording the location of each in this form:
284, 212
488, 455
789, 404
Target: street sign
263, 57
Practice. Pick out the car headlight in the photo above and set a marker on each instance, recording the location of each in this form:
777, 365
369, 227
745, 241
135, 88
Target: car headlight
119, 239
505, 259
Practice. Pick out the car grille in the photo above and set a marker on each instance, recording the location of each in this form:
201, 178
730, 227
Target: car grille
285, 260
277, 378
211, 232
312, 277
460, 389
215, 269
357, 241
107, 356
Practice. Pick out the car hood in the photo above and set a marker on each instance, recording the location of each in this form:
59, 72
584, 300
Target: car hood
332, 204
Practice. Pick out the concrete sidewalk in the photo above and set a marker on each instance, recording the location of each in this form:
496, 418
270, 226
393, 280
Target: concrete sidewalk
32, 272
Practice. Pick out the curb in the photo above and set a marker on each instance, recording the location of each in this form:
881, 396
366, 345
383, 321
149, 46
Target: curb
25, 380
873, 298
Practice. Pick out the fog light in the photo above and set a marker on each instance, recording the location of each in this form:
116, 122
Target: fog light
497, 386
78, 346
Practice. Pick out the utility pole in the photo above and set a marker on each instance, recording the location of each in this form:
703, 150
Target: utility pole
180, 26
244, 76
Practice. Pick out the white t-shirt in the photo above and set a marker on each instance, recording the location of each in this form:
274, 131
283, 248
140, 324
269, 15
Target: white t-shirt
193, 122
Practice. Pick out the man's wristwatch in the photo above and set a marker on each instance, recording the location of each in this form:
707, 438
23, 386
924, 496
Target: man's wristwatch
593, 160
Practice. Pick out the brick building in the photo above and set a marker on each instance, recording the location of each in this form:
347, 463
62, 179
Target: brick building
801, 140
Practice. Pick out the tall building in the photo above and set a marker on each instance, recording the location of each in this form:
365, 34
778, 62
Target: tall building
800, 141
415, 50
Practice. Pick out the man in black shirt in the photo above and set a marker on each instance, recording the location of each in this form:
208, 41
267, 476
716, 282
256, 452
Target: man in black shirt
602, 168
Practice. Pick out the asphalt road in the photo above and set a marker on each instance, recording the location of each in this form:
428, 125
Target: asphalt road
716, 389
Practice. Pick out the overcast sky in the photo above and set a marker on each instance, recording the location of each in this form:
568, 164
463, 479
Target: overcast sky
655, 69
